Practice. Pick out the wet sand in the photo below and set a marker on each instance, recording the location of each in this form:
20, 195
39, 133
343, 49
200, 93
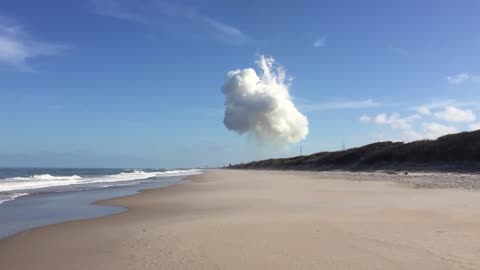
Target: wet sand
227, 219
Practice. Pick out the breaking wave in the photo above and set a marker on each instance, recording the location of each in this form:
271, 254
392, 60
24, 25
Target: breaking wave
11, 188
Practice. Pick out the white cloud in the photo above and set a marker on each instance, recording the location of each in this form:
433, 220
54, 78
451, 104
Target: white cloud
341, 105
320, 42
17, 48
430, 131
395, 120
381, 118
424, 110
159, 14
365, 118
435, 130
261, 104
462, 78
454, 114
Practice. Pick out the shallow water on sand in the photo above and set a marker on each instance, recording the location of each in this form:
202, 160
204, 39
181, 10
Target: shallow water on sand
54, 207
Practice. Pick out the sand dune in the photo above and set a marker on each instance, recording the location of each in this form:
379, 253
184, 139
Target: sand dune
228, 219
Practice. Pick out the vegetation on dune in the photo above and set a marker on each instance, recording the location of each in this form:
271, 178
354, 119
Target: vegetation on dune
451, 152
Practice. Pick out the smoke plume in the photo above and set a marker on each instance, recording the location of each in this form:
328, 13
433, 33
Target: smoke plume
261, 104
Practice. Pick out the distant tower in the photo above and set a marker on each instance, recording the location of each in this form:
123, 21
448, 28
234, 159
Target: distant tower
343, 146
301, 149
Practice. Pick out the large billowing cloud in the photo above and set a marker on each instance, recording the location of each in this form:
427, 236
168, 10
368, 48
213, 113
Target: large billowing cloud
260, 104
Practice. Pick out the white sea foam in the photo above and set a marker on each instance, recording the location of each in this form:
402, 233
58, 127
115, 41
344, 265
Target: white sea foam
10, 196
43, 181
46, 177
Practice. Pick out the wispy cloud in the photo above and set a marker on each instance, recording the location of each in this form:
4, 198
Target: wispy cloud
462, 78
365, 118
320, 42
162, 13
111, 8
341, 105
394, 120
426, 108
18, 48
225, 32
458, 79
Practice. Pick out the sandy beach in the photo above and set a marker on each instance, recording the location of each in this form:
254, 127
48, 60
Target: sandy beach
229, 219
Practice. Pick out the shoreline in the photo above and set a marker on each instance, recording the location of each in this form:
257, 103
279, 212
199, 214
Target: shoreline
275, 219
102, 202
80, 204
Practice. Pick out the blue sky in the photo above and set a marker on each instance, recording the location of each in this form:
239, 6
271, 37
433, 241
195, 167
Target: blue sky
137, 83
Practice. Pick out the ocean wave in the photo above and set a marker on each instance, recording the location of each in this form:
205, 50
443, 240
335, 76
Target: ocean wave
11, 196
46, 177
42, 181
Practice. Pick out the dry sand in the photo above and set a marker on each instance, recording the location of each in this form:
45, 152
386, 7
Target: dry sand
228, 219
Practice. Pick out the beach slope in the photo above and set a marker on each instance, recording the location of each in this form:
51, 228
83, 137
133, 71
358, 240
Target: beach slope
239, 219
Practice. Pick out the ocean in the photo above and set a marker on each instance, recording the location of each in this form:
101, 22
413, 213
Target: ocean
32, 197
